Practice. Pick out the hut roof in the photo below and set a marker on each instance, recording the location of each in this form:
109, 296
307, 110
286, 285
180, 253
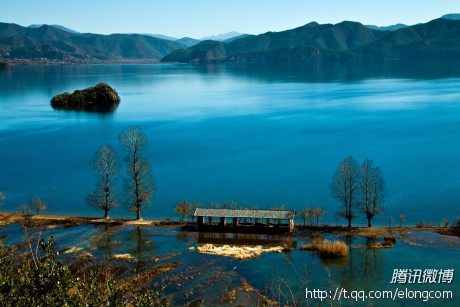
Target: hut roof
250, 213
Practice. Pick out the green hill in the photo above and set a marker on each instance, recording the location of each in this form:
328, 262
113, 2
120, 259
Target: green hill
340, 42
439, 38
53, 43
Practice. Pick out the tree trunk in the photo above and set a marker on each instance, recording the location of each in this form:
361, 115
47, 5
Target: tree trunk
349, 222
369, 223
138, 213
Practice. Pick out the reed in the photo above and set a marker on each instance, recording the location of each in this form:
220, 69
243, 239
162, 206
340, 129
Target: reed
328, 249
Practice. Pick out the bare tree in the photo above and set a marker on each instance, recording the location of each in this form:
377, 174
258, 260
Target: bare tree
37, 204
402, 218
105, 163
140, 183
344, 186
311, 214
318, 214
24, 209
182, 209
2, 198
372, 189
305, 214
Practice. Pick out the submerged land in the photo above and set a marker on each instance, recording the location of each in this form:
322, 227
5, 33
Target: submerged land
176, 280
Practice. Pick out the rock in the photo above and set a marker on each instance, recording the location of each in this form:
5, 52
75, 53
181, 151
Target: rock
100, 98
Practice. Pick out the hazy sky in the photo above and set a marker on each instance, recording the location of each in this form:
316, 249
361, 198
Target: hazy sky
200, 18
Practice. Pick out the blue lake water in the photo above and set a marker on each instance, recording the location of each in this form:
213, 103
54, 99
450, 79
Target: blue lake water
262, 136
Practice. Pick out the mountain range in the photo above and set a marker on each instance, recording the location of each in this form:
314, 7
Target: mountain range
401, 25
54, 43
34, 26
347, 40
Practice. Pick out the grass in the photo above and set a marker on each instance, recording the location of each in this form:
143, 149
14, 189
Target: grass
335, 249
388, 242
328, 249
309, 247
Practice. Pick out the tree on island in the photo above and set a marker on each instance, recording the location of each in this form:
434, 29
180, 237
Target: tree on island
105, 163
372, 190
344, 187
140, 182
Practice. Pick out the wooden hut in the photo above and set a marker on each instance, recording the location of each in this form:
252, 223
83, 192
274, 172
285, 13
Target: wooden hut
244, 219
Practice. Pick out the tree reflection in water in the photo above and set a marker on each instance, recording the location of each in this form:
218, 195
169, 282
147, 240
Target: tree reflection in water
143, 246
103, 242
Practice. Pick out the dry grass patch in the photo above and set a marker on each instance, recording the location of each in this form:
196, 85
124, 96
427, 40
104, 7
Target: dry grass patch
239, 252
328, 249
309, 247
123, 257
335, 249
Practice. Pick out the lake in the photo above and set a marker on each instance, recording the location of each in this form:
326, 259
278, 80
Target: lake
258, 135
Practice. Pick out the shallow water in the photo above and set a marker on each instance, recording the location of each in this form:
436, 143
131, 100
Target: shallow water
262, 136
281, 276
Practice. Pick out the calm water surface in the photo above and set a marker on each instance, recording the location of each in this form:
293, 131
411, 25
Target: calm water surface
260, 135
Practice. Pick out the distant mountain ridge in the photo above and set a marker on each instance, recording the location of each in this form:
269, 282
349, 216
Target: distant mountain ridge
388, 28
347, 40
34, 26
222, 37
52, 43
451, 16
188, 41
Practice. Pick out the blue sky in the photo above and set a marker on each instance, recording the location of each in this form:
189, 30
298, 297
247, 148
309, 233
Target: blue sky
200, 18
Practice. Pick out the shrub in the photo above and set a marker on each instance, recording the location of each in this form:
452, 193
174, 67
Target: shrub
44, 280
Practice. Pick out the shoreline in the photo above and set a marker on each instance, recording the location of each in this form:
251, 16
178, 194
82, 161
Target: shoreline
8, 218
44, 62
36, 220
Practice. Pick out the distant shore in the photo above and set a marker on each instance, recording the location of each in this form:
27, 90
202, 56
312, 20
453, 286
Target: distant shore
37, 220
45, 61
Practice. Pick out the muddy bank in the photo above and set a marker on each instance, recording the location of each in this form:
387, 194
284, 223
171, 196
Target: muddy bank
34, 220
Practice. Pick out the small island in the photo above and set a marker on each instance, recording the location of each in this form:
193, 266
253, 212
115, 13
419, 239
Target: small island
100, 98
